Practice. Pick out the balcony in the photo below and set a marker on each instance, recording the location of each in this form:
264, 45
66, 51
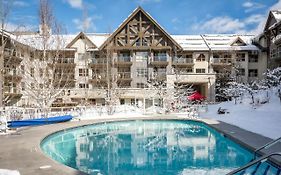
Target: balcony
124, 76
12, 75
221, 62
275, 53
183, 62
62, 62
159, 76
159, 60
11, 56
277, 40
98, 78
95, 63
124, 60
11, 95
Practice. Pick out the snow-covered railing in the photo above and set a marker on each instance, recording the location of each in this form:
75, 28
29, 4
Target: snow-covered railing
277, 39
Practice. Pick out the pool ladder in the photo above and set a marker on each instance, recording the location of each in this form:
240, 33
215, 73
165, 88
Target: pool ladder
260, 166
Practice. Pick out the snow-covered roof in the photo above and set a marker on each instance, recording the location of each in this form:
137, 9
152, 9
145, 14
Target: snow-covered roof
191, 42
214, 42
277, 15
226, 42
98, 38
36, 41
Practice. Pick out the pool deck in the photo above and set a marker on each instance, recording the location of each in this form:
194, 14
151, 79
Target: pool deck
21, 150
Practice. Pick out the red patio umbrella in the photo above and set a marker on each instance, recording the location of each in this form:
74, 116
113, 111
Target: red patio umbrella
196, 96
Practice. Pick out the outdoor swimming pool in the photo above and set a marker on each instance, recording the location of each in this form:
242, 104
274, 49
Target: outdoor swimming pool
146, 147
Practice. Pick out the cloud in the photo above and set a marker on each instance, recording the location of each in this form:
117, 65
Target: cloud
20, 4
86, 24
276, 6
226, 24
78, 4
176, 20
248, 4
148, 1
252, 6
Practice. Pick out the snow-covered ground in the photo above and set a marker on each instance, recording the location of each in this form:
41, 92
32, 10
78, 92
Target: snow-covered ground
9, 172
264, 119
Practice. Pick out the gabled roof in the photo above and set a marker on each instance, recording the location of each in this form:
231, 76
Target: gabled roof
81, 34
128, 19
274, 15
238, 42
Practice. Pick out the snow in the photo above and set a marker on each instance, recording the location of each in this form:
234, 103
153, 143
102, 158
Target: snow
214, 42
263, 119
97, 38
9, 172
277, 15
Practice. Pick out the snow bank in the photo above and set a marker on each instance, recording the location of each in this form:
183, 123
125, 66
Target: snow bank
120, 111
9, 172
264, 119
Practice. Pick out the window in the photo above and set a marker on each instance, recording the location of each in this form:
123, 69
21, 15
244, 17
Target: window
201, 57
240, 57
122, 101
83, 72
141, 72
83, 86
41, 72
22, 86
80, 56
160, 56
31, 56
253, 72
253, 58
141, 56
141, 85
32, 72
22, 69
241, 72
41, 86
200, 71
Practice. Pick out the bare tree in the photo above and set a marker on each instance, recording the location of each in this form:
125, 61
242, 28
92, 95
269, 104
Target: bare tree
49, 71
5, 7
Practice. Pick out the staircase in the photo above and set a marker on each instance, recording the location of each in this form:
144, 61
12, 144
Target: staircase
260, 166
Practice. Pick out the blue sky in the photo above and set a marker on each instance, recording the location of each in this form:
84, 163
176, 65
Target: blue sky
176, 16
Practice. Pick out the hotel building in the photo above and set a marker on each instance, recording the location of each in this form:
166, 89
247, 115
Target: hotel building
137, 53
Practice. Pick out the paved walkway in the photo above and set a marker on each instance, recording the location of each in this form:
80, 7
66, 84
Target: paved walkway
21, 151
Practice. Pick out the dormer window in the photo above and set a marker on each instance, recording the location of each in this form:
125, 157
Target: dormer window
201, 57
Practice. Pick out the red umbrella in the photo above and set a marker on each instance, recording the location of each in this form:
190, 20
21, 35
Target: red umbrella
196, 96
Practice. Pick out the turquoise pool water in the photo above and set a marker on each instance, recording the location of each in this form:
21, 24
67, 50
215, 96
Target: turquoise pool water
155, 147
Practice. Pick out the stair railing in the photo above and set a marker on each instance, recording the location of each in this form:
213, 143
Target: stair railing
261, 159
269, 144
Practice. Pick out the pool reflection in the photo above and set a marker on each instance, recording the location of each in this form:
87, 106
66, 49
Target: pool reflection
142, 147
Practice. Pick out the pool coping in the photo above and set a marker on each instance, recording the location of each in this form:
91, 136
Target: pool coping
21, 150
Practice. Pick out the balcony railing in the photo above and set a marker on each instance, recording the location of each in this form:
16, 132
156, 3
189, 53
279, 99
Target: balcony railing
183, 61
159, 75
100, 76
65, 60
221, 61
124, 59
124, 75
160, 58
99, 61
8, 89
